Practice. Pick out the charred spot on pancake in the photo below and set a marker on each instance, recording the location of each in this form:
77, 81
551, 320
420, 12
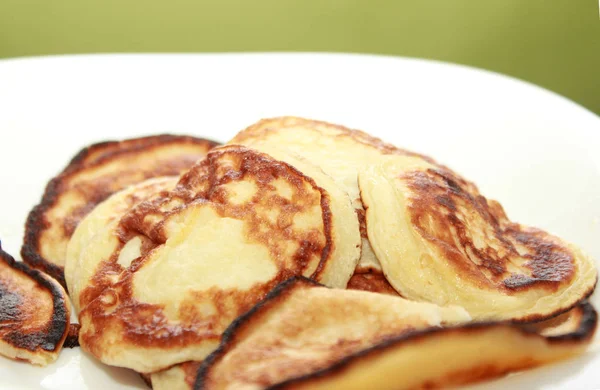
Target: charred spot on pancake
92, 175
34, 313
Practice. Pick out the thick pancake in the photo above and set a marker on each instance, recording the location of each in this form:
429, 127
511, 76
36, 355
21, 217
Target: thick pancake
105, 218
95, 173
439, 240
34, 313
179, 267
307, 337
340, 152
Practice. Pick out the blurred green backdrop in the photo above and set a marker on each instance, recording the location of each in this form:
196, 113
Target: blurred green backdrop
553, 43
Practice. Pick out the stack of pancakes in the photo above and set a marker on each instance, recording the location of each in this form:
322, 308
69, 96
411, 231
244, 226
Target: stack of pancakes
303, 254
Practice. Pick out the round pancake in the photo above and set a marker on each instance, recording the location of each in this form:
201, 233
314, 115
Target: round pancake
304, 336
34, 313
439, 240
95, 173
340, 152
171, 275
104, 219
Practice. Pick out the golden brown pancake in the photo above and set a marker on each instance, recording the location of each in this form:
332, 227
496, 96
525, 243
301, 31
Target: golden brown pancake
439, 240
176, 269
343, 217
34, 313
339, 151
304, 336
95, 173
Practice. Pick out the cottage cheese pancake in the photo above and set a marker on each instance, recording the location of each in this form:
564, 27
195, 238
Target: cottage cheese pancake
34, 313
94, 174
439, 240
177, 268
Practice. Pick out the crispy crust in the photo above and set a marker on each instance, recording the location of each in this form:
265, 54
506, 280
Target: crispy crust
584, 332
92, 156
51, 337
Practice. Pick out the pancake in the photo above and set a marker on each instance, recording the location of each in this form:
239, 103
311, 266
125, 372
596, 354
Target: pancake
439, 240
177, 268
304, 336
97, 226
34, 313
92, 175
340, 152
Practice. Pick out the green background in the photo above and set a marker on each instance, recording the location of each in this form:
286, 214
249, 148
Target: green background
552, 43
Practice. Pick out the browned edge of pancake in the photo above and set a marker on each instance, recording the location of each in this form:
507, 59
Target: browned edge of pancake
51, 338
104, 150
585, 332
534, 318
88, 157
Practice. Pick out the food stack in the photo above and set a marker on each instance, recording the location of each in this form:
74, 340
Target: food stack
302, 254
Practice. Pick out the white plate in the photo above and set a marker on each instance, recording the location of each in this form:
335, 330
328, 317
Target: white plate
536, 152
